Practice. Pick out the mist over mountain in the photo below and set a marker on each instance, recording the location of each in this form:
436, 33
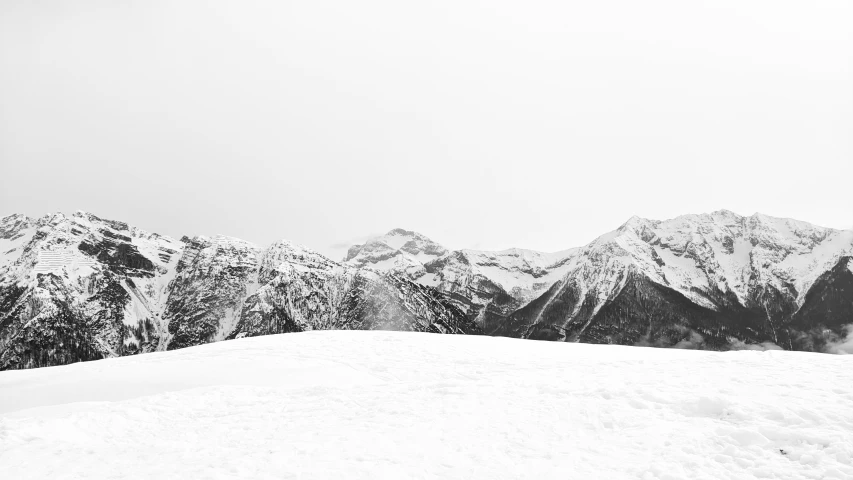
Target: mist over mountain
79, 287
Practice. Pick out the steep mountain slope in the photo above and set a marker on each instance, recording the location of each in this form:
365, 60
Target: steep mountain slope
826, 315
211, 281
81, 287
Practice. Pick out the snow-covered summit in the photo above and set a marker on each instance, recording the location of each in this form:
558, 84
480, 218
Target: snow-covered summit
399, 251
73, 245
487, 285
284, 253
725, 252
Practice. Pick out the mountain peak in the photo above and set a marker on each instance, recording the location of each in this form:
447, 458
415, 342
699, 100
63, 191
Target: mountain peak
397, 250
635, 224
725, 213
402, 231
11, 225
634, 220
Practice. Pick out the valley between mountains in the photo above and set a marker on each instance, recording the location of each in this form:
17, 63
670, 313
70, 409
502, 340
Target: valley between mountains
79, 287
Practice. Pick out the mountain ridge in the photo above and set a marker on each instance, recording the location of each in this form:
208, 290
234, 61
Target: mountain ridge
81, 287
750, 271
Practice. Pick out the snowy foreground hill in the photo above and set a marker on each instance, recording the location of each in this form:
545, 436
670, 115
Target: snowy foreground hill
398, 405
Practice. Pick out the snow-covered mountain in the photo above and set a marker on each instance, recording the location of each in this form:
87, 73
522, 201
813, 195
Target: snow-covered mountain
714, 280
487, 286
80, 287
399, 251
698, 280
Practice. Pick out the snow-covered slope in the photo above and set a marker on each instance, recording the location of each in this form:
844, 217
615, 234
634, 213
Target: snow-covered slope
366, 405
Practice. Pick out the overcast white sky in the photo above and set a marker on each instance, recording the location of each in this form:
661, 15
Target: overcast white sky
482, 124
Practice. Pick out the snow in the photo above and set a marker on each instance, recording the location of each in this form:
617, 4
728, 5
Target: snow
396, 240
385, 254
778, 250
806, 266
424, 257
508, 268
388, 264
355, 405
429, 280
683, 272
9, 248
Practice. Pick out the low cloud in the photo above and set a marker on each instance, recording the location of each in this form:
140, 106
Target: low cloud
841, 345
763, 346
695, 342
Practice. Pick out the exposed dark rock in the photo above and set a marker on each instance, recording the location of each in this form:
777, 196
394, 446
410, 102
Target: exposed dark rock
123, 258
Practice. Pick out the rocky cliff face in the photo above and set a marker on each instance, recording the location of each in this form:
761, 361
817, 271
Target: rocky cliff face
206, 296
81, 288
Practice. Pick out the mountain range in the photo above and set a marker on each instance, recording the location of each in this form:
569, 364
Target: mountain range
79, 287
